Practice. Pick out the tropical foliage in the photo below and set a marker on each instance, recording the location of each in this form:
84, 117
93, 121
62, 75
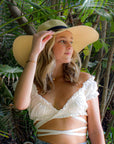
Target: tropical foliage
23, 17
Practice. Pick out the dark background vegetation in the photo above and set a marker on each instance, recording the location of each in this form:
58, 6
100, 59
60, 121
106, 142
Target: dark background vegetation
19, 17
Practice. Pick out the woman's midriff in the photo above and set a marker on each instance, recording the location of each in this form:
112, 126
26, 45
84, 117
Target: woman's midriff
64, 124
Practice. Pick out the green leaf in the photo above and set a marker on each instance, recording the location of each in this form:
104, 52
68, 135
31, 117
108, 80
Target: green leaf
104, 14
88, 7
112, 67
92, 64
9, 72
88, 24
100, 26
112, 130
38, 7
104, 64
108, 108
8, 69
65, 12
64, 3
5, 92
112, 26
102, 18
105, 46
86, 51
85, 70
112, 112
97, 45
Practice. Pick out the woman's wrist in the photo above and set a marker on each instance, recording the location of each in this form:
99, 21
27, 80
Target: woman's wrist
33, 58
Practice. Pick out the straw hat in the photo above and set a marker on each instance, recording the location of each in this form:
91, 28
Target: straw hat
82, 36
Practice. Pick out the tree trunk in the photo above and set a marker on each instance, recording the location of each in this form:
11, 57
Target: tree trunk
110, 94
103, 37
55, 3
17, 13
106, 82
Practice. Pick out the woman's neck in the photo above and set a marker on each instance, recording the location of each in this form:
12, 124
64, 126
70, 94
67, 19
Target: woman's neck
58, 72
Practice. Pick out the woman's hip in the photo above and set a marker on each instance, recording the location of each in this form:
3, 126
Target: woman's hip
43, 142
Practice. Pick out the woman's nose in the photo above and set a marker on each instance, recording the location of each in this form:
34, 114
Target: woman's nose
69, 46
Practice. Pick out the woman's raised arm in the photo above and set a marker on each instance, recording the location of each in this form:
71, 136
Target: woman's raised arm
24, 86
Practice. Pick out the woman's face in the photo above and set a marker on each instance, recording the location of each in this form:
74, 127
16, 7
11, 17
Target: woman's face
63, 47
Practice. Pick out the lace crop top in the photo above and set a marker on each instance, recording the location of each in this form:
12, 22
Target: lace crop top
43, 111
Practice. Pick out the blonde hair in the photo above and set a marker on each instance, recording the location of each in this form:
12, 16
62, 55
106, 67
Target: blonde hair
46, 64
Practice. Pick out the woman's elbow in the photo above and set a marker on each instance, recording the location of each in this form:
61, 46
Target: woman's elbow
97, 136
96, 132
21, 106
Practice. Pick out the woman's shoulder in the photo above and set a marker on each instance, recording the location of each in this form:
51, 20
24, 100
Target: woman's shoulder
84, 76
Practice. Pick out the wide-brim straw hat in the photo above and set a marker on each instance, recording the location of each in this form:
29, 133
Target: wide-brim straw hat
82, 36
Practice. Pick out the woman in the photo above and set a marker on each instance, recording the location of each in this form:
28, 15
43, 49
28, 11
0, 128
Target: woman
62, 101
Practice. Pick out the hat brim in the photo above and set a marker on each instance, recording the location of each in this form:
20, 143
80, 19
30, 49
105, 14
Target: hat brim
82, 36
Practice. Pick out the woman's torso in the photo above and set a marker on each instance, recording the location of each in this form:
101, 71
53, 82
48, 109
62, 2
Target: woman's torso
58, 97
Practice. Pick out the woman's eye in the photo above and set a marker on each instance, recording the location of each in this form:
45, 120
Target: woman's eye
62, 41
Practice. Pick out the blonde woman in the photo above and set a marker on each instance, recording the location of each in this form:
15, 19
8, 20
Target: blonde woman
61, 100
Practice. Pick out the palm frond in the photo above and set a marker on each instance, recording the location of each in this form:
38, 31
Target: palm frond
10, 72
85, 9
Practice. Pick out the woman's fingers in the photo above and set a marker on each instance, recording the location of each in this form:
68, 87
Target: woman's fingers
47, 38
39, 41
44, 34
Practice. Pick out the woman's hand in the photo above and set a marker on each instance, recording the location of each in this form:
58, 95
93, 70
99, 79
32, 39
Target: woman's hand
39, 41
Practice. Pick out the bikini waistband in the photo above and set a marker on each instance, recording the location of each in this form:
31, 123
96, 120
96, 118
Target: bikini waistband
43, 142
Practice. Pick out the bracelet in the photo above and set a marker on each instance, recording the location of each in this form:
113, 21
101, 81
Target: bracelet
31, 61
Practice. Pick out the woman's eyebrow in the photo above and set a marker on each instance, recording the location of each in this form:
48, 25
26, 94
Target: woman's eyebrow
64, 37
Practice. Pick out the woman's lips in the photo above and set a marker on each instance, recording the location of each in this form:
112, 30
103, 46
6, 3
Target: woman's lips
68, 53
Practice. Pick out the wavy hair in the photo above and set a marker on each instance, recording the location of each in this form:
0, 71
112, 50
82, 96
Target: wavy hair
46, 64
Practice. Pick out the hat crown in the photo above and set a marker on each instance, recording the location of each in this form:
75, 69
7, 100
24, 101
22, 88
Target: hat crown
50, 24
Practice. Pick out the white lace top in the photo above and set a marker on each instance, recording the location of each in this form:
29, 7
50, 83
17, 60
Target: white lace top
43, 111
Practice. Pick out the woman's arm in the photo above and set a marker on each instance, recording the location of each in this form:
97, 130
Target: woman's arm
24, 86
94, 124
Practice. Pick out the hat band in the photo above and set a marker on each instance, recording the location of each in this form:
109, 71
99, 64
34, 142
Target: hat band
57, 27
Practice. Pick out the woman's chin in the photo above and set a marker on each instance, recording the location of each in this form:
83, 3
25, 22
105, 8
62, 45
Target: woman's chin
67, 60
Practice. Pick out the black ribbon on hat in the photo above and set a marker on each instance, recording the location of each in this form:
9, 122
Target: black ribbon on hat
57, 27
